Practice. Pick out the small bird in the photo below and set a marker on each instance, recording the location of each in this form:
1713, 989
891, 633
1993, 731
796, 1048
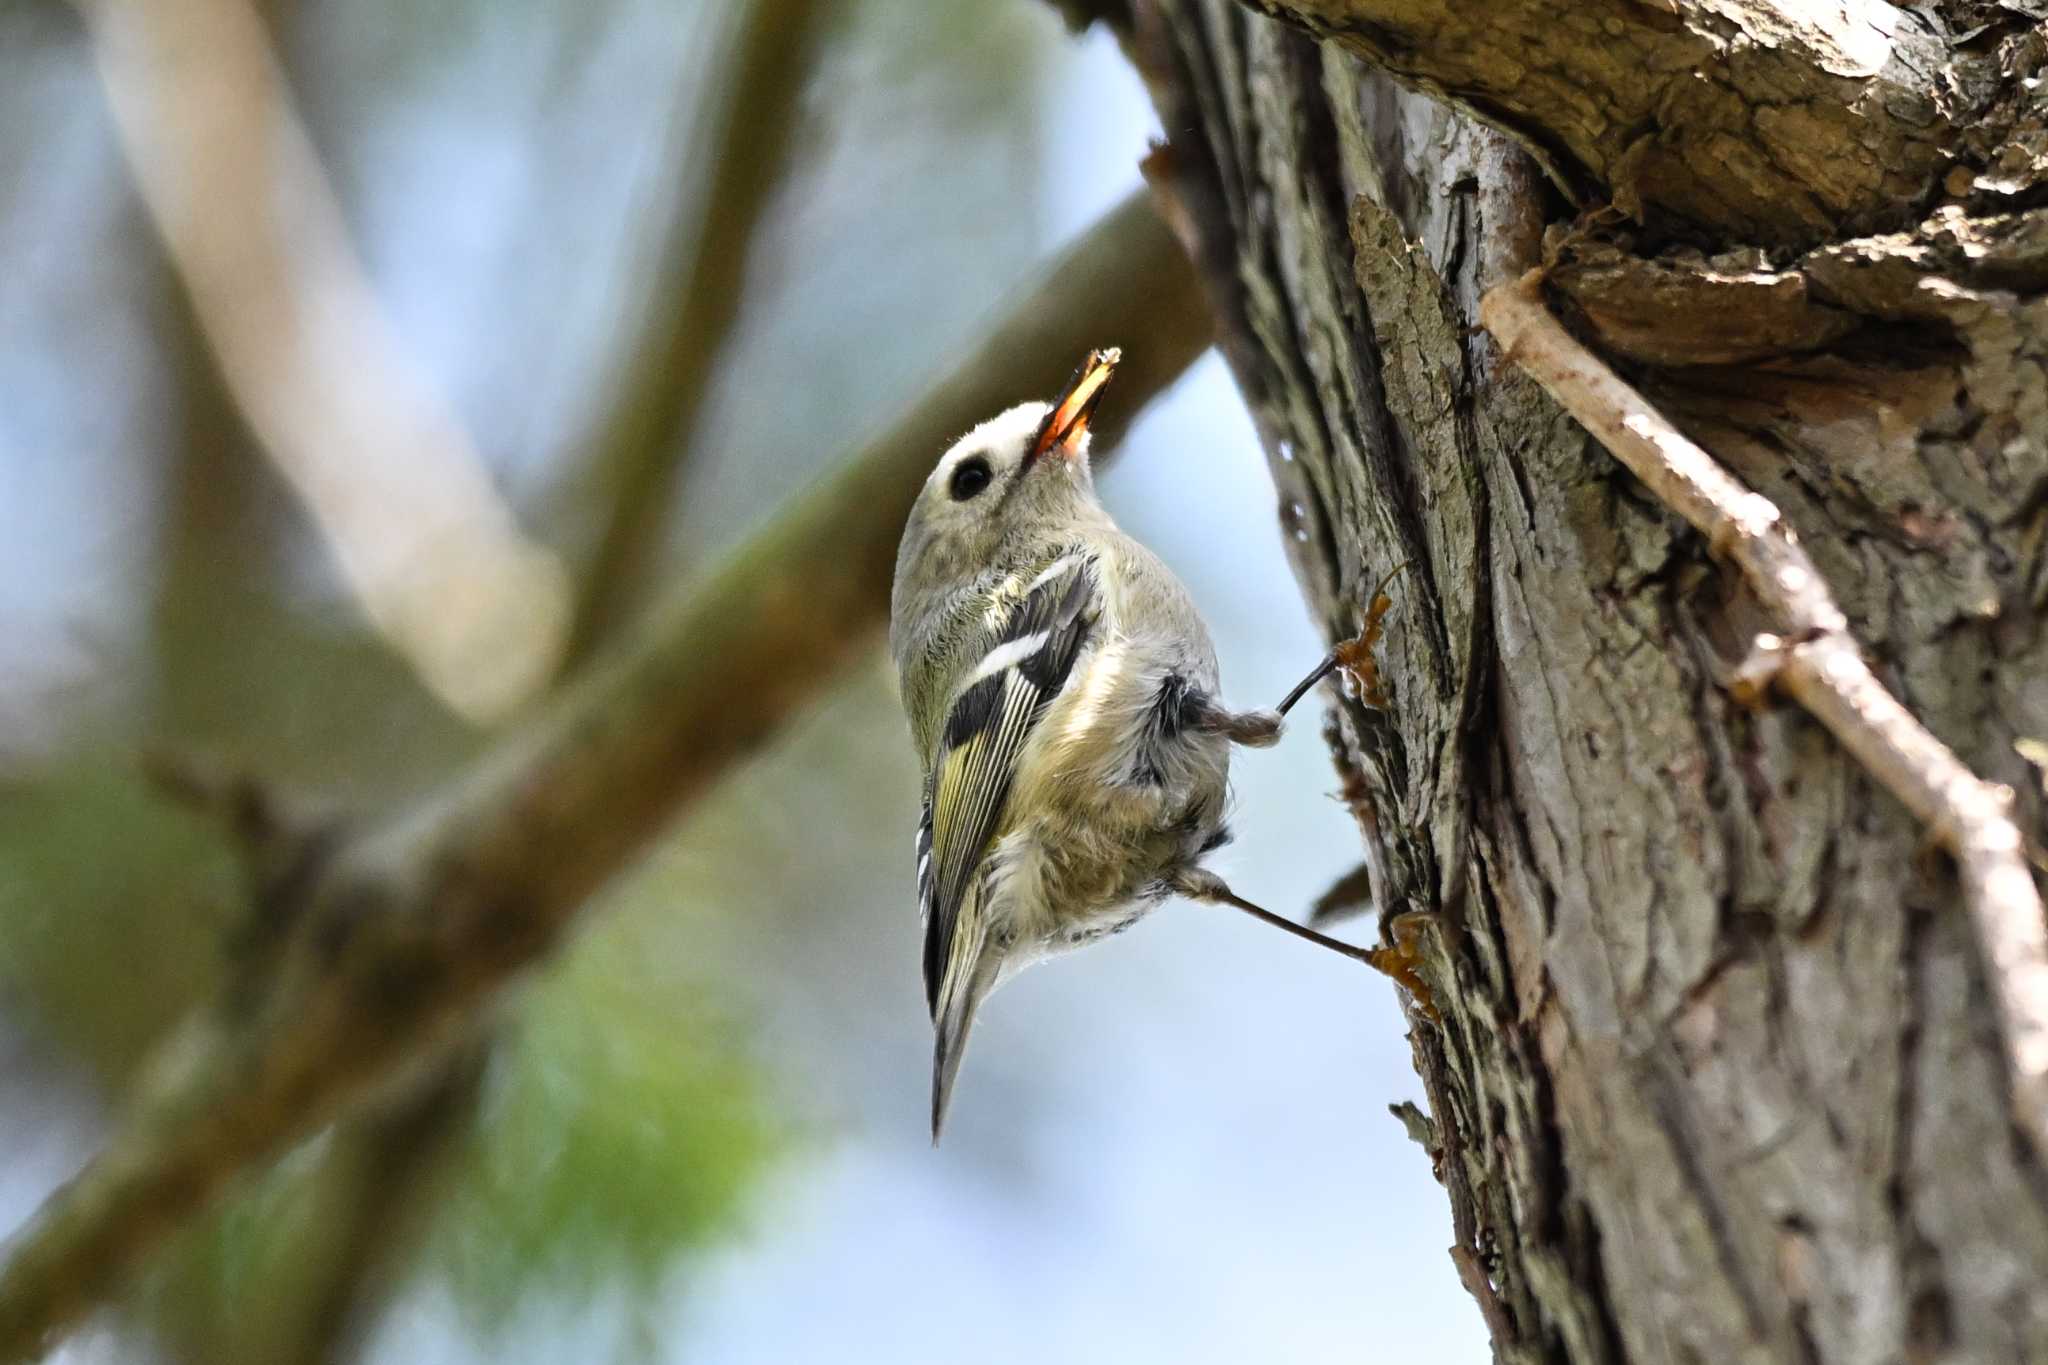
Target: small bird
1062, 694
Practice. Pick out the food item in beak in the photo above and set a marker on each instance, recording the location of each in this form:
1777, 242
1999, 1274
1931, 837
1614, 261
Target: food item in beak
1067, 423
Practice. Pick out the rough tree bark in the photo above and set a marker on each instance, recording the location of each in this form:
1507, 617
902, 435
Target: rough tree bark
1718, 1076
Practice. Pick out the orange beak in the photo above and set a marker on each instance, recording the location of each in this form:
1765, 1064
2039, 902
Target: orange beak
1067, 423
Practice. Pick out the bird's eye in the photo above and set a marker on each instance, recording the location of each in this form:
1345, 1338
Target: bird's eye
970, 476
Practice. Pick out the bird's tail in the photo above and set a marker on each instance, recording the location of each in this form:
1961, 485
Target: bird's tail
970, 976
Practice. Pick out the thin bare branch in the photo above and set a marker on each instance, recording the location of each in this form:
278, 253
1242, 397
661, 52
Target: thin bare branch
413, 925
1815, 659
697, 294
390, 479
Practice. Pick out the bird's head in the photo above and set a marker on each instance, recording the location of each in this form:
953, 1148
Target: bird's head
1020, 477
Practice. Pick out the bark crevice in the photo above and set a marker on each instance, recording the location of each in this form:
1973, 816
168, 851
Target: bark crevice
1701, 993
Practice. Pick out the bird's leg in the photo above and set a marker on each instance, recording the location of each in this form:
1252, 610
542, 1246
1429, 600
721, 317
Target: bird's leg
1253, 729
1200, 884
1261, 729
1203, 714
1257, 729
1301, 689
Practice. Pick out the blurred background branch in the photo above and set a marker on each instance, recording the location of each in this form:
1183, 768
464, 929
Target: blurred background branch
405, 504
383, 1162
693, 304
409, 927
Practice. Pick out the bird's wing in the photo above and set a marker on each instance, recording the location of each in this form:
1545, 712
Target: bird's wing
1028, 660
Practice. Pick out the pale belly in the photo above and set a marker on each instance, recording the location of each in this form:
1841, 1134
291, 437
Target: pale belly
1108, 803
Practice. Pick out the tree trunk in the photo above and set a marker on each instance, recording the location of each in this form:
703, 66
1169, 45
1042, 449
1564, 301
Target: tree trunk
1718, 1076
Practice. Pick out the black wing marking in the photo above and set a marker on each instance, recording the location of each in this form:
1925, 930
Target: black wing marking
1028, 662
924, 862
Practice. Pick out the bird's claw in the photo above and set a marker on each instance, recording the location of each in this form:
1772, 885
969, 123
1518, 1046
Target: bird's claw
1354, 656
1402, 961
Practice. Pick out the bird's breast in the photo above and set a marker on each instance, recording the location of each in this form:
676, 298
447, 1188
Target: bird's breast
1107, 804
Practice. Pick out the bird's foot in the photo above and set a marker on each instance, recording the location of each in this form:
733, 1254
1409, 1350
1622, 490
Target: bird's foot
1355, 657
1402, 960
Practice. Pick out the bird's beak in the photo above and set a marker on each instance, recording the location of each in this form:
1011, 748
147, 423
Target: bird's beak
1065, 430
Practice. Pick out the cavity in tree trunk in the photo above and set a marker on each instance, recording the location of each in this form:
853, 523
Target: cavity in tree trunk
1719, 1076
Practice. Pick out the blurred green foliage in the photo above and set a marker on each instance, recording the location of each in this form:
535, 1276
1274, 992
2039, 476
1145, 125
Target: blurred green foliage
114, 908
230, 1286
621, 1125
